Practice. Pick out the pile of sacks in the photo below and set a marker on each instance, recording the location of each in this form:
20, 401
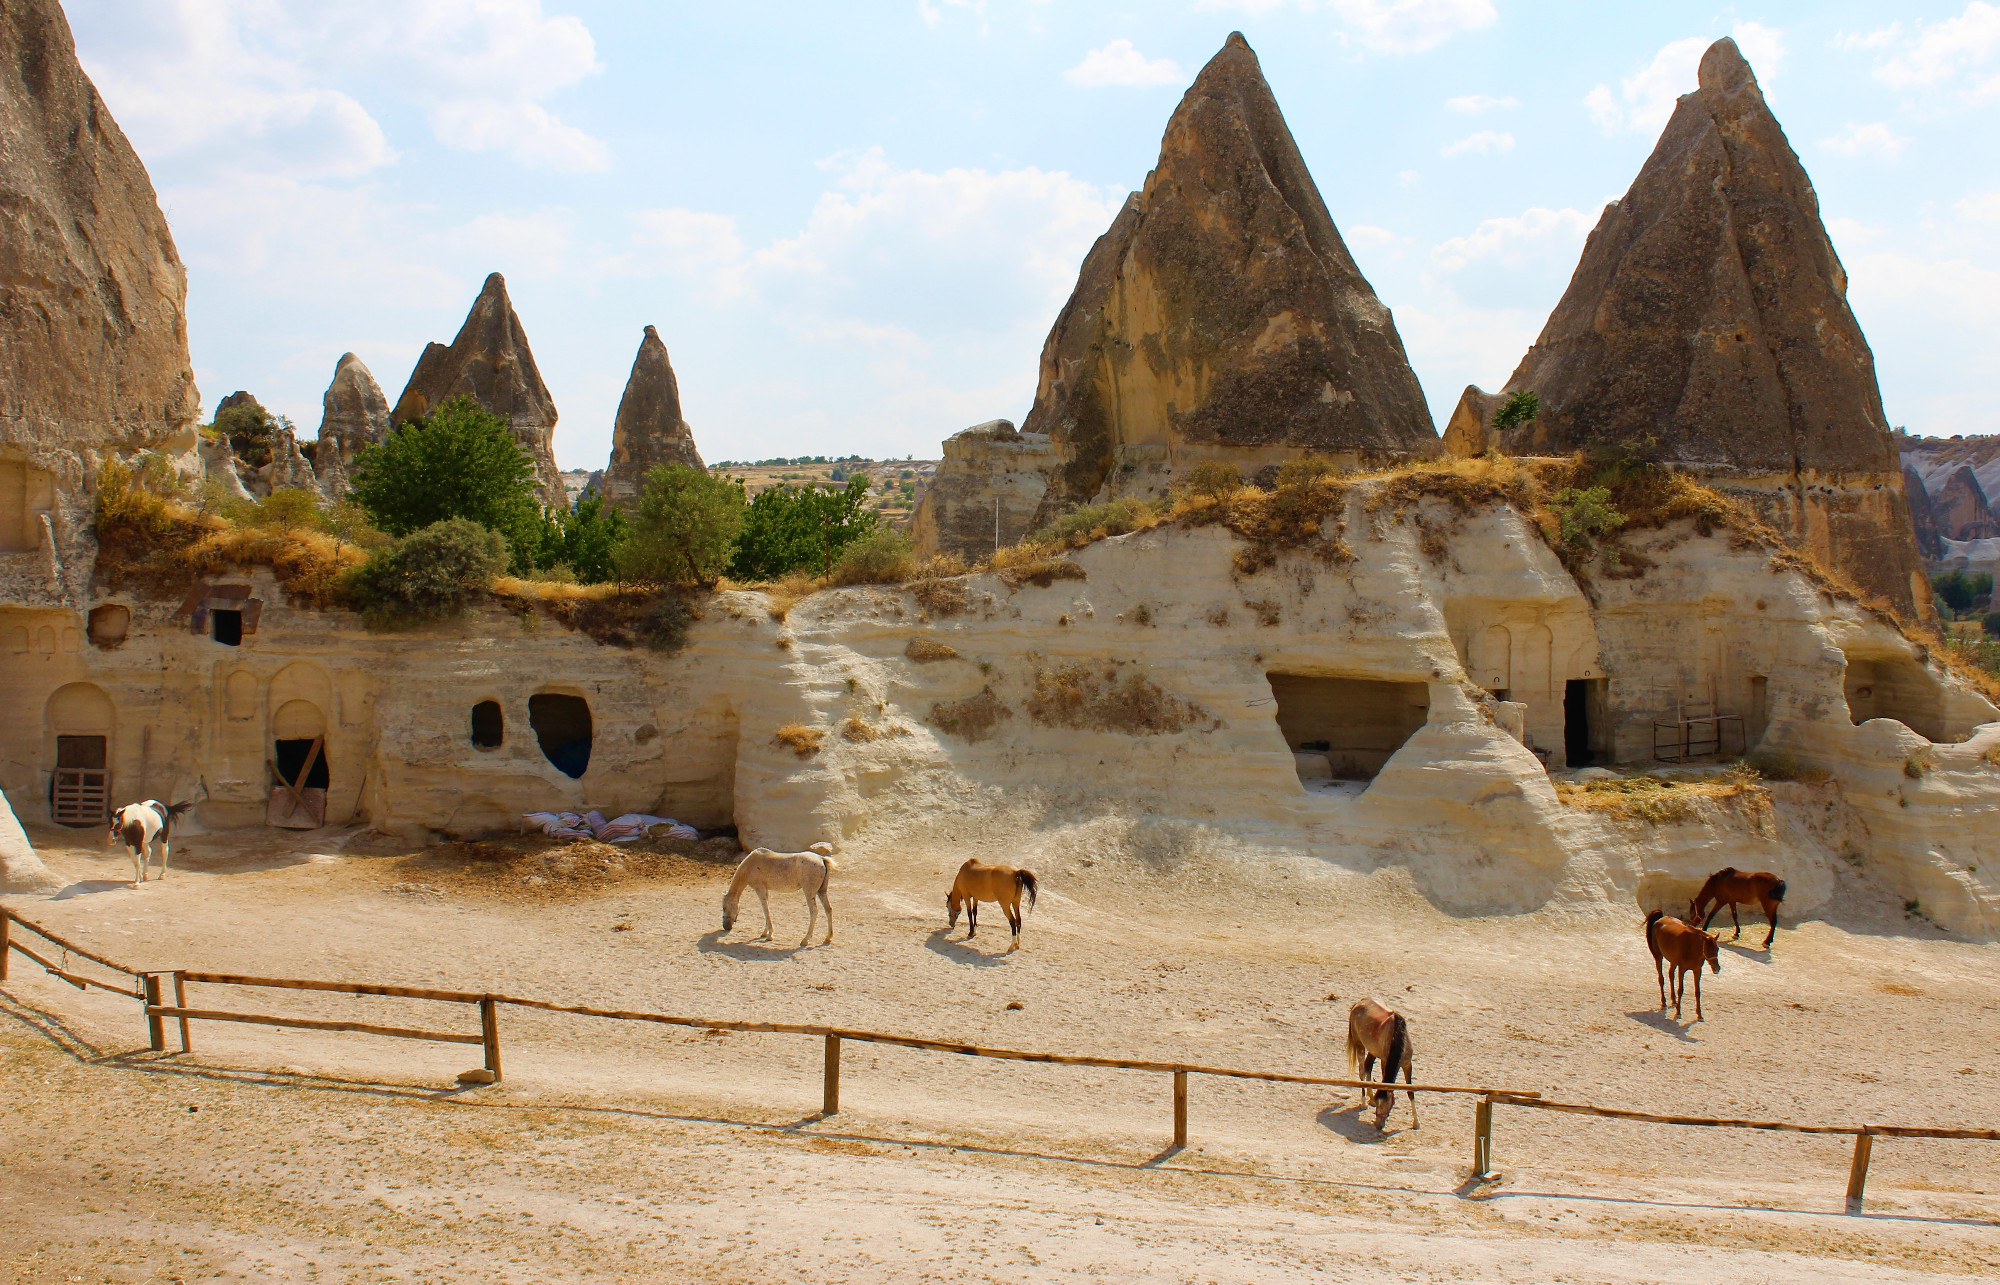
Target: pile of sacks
592, 825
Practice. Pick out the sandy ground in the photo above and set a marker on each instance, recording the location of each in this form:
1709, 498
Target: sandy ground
626, 1152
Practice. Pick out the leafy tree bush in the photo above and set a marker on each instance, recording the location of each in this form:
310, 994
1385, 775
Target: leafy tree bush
248, 428
1518, 409
1961, 592
685, 529
883, 556
1093, 521
1585, 514
430, 575
1214, 479
584, 539
1990, 622
788, 530
460, 461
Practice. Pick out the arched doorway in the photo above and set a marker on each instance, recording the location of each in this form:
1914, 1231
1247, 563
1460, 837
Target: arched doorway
80, 721
298, 753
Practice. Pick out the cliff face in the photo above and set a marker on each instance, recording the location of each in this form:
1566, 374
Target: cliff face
353, 415
1221, 316
1707, 325
490, 361
1962, 510
992, 476
649, 430
1923, 518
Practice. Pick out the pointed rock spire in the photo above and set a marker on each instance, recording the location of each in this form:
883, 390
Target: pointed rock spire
1221, 317
1923, 517
490, 361
649, 430
1962, 510
1707, 324
353, 414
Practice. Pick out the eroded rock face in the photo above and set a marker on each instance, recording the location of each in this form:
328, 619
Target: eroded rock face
1923, 518
490, 362
1962, 510
1221, 317
354, 414
649, 430
1707, 324
992, 476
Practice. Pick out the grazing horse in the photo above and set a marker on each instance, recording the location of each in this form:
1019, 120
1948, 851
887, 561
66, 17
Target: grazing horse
1683, 950
764, 870
141, 827
1376, 1030
979, 882
1732, 887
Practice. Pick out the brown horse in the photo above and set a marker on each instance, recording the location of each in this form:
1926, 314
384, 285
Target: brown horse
979, 882
1683, 950
1732, 887
1376, 1030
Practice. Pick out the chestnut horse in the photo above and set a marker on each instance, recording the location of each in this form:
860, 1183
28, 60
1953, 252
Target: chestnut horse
1683, 950
1376, 1030
979, 882
1732, 887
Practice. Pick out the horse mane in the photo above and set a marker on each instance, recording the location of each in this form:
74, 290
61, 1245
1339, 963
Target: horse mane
1026, 879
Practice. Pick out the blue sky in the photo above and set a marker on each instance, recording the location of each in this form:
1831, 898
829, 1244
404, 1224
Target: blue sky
854, 223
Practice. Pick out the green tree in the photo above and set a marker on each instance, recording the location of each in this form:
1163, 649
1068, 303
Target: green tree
1956, 589
1990, 622
431, 575
583, 539
788, 529
460, 461
1518, 409
685, 529
1585, 513
248, 428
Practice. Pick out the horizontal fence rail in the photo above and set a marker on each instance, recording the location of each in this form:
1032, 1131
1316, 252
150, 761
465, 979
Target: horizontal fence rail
488, 1003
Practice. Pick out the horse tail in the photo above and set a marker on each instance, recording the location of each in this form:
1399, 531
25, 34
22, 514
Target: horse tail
1024, 881
1778, 891
830, 864
1399, 1048
1653, 922
180, 809
1355, 1049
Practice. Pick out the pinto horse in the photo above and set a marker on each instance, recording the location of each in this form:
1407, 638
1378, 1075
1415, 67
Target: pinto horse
979, 882
141, 827
1682, 950
1732, 887
1376, 1030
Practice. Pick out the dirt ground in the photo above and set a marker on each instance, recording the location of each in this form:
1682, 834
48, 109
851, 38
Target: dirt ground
622, 1151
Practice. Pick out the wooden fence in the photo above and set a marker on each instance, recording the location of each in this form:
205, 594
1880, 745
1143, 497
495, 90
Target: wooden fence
488, 1038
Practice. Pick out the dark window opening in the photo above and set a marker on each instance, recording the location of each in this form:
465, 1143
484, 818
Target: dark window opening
489, 726
80, 751
562, 729
1357, 723
292, 760
80, 787
109, 624
1576, 722
226, 627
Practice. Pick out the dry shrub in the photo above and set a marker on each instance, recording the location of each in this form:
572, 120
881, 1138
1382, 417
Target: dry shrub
782, 595
1041, 572
1089, 696
924, 651
1301, 511
973, 719
1659, 801
941, 596
1219, 617
1268, 612
1970, 663
799, 739
1140, 614
608, 614
854, 731
1776, 765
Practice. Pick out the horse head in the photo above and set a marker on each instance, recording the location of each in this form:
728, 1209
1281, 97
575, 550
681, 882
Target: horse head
1385, 1101
1711, 952
728, 910
951, 904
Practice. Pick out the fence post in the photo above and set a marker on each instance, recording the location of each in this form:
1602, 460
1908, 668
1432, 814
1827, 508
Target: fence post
6, 940
1857, 1173
154, 1030
181, 1001
1180, 1108
489, 1028
1482, 1139
830, 1083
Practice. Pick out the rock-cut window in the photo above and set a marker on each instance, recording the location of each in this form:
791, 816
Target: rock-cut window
489, 726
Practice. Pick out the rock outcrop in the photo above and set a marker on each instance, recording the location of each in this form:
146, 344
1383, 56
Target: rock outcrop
353, 415
490, 361
1221, 317
1707, 325
1961, 508
649, 430
991, 475
1923, 518
21, 868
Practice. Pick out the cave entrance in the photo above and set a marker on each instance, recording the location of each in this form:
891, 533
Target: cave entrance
80, 719
1896, 688
1350, 725
489, 725
562, 728
1585, 721
298, 757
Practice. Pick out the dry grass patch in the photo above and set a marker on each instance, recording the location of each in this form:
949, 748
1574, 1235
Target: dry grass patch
859, 731
1661, 800
799, 739
924, 651
534, 868
973, 719
607, 614
1040, 571
941, 597
1113, 697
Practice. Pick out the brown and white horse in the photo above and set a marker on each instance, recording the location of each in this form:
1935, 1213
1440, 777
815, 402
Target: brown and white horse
1683, 950
979, 882
1376, 1030
1732, 887
141, 827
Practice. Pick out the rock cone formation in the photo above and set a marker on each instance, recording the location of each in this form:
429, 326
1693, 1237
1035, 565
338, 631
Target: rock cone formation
649, 430
490, 361
1961, 509
353, 414
1221, 317
992, 476
1923, 519
1708, 324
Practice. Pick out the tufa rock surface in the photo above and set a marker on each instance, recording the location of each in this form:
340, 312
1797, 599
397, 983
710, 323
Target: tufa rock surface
1923, 518
988, 471
1221, 317
490, 361
1707, 324
1961, 508
649, 430
353, 415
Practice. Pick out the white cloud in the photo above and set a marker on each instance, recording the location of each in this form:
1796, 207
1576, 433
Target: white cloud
1880, 38
1511, 240
1485, 142
1473, 104
1118, 63
1413, 26
1867, 140
1937, 51
1646, 99
687, 242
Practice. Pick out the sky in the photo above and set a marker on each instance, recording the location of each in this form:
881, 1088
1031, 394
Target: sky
853, 224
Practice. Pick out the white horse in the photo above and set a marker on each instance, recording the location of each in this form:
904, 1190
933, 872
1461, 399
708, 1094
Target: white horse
141, 827
764, 870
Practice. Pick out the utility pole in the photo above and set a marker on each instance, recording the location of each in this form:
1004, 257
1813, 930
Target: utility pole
996, 526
